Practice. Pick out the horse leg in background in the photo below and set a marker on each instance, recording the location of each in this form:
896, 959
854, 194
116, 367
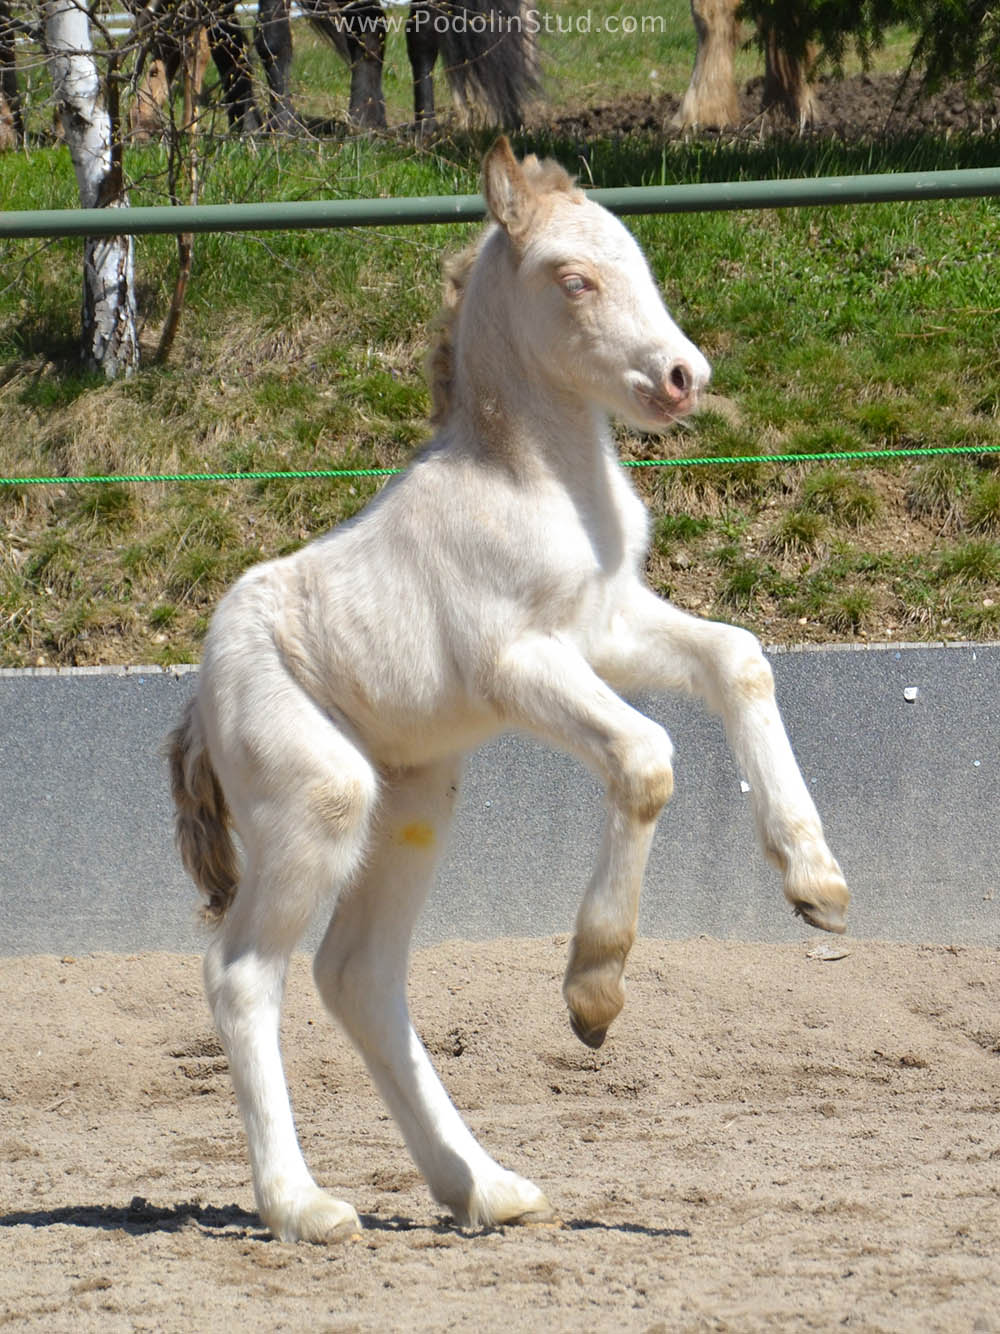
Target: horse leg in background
660, 647
9, 137
788, 88
365, 31
273, 42
361, 969
357, 28
146, 114
422, 45
302, 798
231, 53
712, 100
546, 687
195, 57
11, 121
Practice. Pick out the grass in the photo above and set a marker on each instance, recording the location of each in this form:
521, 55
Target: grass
844, 329
798, 531
983, 512
935, 490
840, 495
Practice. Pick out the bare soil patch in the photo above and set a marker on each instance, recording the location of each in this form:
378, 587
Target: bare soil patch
766, 1141
857, 108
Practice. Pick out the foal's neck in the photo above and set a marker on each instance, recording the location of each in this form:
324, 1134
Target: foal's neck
532, 430
507, 412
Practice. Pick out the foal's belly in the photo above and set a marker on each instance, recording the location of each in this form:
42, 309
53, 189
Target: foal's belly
408, 739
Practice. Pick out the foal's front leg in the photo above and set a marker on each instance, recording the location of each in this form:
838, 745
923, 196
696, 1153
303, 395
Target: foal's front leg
657, 646
545, 686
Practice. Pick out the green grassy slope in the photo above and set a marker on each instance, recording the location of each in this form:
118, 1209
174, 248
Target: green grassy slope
829, 329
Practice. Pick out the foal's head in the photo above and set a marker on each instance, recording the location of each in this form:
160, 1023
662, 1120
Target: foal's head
587, 311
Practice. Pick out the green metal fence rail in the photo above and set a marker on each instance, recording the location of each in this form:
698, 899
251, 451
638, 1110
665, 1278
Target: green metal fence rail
820, 191
897, 187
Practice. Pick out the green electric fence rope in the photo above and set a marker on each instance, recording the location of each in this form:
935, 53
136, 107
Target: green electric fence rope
296, 474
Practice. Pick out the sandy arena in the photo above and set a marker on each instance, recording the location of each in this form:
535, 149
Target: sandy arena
767, 1140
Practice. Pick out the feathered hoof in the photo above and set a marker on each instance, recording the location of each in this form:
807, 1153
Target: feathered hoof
539, 1212
508, 1201
317, 1217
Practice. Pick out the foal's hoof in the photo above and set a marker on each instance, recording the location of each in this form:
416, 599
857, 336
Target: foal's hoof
318, 1218
593, 988
540, 1217
824, 905
827, 919
503, 1199
590, 1037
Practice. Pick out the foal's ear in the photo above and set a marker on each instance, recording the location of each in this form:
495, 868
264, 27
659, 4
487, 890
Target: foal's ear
509, 197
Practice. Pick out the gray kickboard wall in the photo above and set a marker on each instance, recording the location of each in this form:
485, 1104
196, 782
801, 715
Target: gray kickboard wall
909, 792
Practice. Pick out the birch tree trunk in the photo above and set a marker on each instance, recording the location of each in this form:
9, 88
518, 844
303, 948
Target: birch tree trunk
11, 122
109, 343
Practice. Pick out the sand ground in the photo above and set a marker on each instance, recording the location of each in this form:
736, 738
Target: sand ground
766, 1141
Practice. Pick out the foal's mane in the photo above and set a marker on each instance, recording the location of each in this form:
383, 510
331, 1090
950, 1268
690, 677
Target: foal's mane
440, 364
541, 178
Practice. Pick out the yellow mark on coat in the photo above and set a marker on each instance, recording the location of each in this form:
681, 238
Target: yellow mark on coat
418, 834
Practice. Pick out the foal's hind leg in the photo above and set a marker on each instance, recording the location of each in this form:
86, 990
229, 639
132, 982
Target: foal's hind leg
361, 970
304, 820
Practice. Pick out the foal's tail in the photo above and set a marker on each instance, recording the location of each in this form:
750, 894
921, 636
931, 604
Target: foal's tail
201, 816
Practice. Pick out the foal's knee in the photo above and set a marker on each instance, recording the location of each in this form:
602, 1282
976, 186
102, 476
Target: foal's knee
646, 774
747, 673
342, 793
337, 808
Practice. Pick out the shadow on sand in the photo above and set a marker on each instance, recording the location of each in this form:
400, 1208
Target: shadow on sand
140, 1217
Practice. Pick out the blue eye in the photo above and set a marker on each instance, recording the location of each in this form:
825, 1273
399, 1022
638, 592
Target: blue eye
573, 284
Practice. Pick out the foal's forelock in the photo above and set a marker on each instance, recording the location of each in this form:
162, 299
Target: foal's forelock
546, 176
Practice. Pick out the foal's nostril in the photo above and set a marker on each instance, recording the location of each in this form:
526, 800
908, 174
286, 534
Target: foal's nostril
679, 380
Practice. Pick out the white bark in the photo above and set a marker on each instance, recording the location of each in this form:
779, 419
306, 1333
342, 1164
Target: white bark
110, 343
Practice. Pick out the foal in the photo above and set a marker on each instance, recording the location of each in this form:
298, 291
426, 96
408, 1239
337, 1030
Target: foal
495, 585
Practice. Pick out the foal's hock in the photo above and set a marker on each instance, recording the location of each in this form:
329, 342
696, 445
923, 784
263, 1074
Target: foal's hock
495, 585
